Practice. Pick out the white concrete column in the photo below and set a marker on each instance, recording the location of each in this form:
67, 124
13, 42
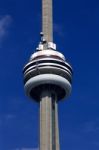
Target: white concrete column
45, 121
49, 132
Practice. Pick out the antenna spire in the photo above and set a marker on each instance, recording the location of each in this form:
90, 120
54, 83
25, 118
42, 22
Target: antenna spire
47, 21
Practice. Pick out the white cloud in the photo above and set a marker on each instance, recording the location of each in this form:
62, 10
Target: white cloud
6, 118
96, 143
58, 29
29, 149
91, 126
9, 116
5, 22
26, 149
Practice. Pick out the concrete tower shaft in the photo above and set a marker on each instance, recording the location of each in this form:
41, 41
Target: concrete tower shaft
48, 79
49, 136
47, 20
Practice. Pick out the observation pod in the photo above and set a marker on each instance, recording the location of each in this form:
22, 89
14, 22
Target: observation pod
47, 69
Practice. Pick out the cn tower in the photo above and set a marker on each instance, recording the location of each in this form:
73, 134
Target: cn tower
48, 80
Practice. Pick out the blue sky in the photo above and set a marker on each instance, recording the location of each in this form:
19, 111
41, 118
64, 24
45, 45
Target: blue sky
76, 33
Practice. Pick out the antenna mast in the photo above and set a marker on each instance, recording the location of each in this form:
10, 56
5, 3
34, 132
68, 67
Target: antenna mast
47, 21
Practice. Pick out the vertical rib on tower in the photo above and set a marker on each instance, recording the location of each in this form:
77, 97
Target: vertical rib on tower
47, 20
